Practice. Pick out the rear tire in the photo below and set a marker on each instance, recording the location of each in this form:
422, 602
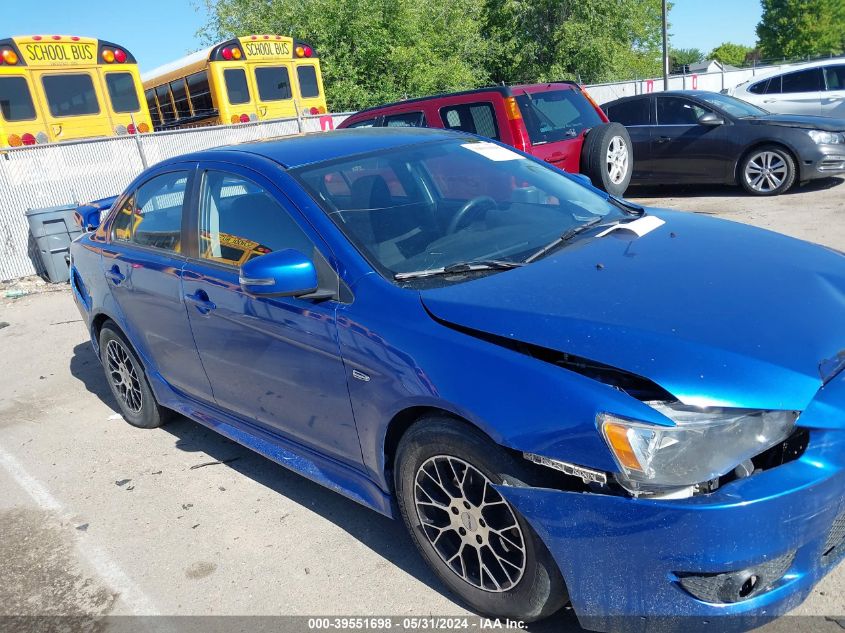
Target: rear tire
767, 171
607, 157
127, 380
486, 552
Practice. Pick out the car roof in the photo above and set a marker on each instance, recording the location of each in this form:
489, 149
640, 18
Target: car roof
316, 147
669, 93
504, 90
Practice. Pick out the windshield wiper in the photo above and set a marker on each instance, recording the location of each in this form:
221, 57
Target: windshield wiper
459, 267
572, 232
626, 206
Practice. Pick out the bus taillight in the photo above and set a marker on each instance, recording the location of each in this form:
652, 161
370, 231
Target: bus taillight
315, 110
143, 128
119, 56
130, 129
244, 118
14, 140
28, 139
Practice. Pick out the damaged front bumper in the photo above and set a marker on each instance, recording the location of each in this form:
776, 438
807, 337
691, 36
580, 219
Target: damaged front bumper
732, 559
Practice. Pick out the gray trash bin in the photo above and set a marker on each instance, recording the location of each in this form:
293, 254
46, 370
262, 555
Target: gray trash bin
54, 228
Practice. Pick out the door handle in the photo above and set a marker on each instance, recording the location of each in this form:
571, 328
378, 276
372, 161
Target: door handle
663, 139
201, 301
557, 157
114, 275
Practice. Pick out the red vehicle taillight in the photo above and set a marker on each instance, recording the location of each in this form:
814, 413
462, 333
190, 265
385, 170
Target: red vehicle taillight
314, 110
517, 127
130, 129
244, 118
28, 139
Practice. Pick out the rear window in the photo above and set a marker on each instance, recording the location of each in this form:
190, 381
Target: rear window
273, 83
802, 81
122, 92
307, 76
70, 95
556, 115
364, 123
15, 99
633, 112
475, 118
236, 88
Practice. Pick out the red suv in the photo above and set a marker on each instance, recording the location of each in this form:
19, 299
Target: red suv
557, 122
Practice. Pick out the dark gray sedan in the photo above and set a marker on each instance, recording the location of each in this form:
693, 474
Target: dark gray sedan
694, 136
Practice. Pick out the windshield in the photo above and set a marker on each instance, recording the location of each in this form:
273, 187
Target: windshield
450, 202
556, 115
732, 105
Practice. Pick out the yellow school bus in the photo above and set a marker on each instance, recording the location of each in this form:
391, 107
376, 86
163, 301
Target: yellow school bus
251, 78
61, 87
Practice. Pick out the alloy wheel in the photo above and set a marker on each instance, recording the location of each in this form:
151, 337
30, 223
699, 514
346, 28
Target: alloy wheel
766, 171
617, 159
469, 524
123, 376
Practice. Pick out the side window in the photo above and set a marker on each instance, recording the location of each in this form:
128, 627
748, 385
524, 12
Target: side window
677, 111
364, 123
200, 93
835, 77
163, 94
475, 118
236, 87
633, 112
15, 99
803, 81
158, 212
122, 225
406, 119
239, 221
151, 104
180, 99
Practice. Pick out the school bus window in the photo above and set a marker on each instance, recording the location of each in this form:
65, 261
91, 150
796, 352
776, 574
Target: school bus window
70, 95
124, 97
236, 86
122, 225
180, 99
164, 104
307, 81
15, 99
273, 83
153, 106
200, 93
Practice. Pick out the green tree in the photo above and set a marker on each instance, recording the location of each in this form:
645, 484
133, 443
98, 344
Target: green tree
730, 53
590, 40
685, 56
798, 28
371, 51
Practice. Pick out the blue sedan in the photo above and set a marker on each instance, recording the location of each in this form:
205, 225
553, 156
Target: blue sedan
567, 398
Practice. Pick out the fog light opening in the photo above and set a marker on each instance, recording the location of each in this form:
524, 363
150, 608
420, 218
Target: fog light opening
748, 586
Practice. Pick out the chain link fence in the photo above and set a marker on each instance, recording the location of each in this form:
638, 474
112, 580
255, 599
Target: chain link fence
74, 172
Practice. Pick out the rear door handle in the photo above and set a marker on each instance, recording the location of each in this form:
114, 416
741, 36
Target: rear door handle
663, 139
114, 275
201, 301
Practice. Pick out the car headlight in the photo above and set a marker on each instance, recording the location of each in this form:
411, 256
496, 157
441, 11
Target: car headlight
702, 445
827, 138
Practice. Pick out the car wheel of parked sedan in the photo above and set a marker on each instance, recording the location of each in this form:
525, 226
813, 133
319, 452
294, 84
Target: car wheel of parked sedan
472, 538
767, 171
607, 157
128, 382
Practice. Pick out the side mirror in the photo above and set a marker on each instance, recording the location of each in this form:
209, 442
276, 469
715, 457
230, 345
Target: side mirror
88, 215
710, 118
584, 178
286, 273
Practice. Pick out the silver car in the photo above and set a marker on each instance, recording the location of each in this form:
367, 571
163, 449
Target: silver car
816, 89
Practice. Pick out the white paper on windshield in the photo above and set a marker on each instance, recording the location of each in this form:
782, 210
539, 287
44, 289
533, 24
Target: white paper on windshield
640, 226
492, 151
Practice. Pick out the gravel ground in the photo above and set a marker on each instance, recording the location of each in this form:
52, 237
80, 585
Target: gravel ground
98, 518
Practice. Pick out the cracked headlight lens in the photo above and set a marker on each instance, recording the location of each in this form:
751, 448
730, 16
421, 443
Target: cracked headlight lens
826, 138
702, 445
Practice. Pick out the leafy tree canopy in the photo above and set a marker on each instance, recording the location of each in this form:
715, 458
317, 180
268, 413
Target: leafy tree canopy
374, 51
798, 28
730, 53
685, 56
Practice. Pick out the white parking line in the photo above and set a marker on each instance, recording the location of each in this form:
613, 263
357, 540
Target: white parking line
110, 572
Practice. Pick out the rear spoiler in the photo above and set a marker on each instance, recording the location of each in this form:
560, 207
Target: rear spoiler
89, 215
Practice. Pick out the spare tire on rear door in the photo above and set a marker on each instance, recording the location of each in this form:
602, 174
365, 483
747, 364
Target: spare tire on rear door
607, 157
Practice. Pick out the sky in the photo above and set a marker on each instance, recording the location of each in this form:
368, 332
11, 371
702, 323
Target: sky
159, 31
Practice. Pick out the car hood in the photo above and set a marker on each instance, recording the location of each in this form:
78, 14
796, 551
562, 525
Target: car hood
805, 122
716, 313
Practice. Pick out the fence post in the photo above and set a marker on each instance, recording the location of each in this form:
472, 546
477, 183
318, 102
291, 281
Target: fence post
139, 144
298, 116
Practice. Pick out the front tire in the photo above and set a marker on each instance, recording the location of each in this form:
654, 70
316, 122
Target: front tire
472, 538
767, 171
607, 157
127, 380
